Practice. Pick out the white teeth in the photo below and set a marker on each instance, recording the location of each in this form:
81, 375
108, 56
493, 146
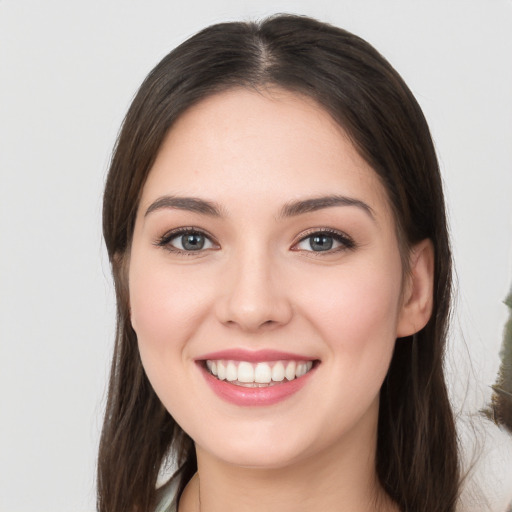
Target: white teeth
301, 370
231, 372
221, 371
258, 374
245, 372
278, 372
262, 373
290, 370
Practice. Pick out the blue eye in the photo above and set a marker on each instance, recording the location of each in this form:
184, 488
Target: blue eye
324, 241
185, 240
192, 241
321, 242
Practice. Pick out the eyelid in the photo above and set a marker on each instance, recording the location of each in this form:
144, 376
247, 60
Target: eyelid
345, 240
164, 240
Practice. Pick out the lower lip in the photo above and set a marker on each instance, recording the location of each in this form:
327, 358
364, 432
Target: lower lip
245, 396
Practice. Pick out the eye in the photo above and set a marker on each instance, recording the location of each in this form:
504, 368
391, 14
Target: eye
186, 240
324, 241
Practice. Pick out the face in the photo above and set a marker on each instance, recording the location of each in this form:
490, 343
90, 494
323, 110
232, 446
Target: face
265, 280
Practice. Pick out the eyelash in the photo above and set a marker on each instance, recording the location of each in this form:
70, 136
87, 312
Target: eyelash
346, 242
167, 238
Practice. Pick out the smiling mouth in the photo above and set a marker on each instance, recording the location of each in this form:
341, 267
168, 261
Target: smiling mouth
257, 375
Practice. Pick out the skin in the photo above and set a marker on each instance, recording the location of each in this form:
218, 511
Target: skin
259, 285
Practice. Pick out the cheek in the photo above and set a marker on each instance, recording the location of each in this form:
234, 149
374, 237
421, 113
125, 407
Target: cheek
357, 321
357, 311
166, 307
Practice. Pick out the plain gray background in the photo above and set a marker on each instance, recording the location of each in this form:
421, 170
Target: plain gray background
67, 73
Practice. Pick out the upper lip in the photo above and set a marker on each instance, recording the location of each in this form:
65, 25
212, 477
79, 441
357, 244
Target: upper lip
253, 356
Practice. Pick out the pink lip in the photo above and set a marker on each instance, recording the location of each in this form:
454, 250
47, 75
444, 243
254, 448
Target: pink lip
253, 356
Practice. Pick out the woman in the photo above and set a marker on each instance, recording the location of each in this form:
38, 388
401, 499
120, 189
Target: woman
275, 221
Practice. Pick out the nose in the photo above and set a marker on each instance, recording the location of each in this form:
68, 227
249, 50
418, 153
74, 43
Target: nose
254, 295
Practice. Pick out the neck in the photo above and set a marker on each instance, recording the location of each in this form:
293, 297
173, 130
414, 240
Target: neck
342, 478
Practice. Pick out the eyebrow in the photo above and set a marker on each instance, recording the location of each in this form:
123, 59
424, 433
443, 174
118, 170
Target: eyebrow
191, 204
294, 208
290, 209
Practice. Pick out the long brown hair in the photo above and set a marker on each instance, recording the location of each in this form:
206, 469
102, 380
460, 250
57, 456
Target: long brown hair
417, 458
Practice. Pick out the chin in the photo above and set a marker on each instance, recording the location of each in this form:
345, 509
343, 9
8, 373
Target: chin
259, 448
257, 458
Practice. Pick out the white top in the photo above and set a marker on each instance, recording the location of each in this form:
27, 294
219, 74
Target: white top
167, 496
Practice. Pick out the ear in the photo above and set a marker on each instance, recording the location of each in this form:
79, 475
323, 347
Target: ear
418, 292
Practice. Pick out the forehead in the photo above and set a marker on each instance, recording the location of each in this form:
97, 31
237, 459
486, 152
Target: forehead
271, 145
